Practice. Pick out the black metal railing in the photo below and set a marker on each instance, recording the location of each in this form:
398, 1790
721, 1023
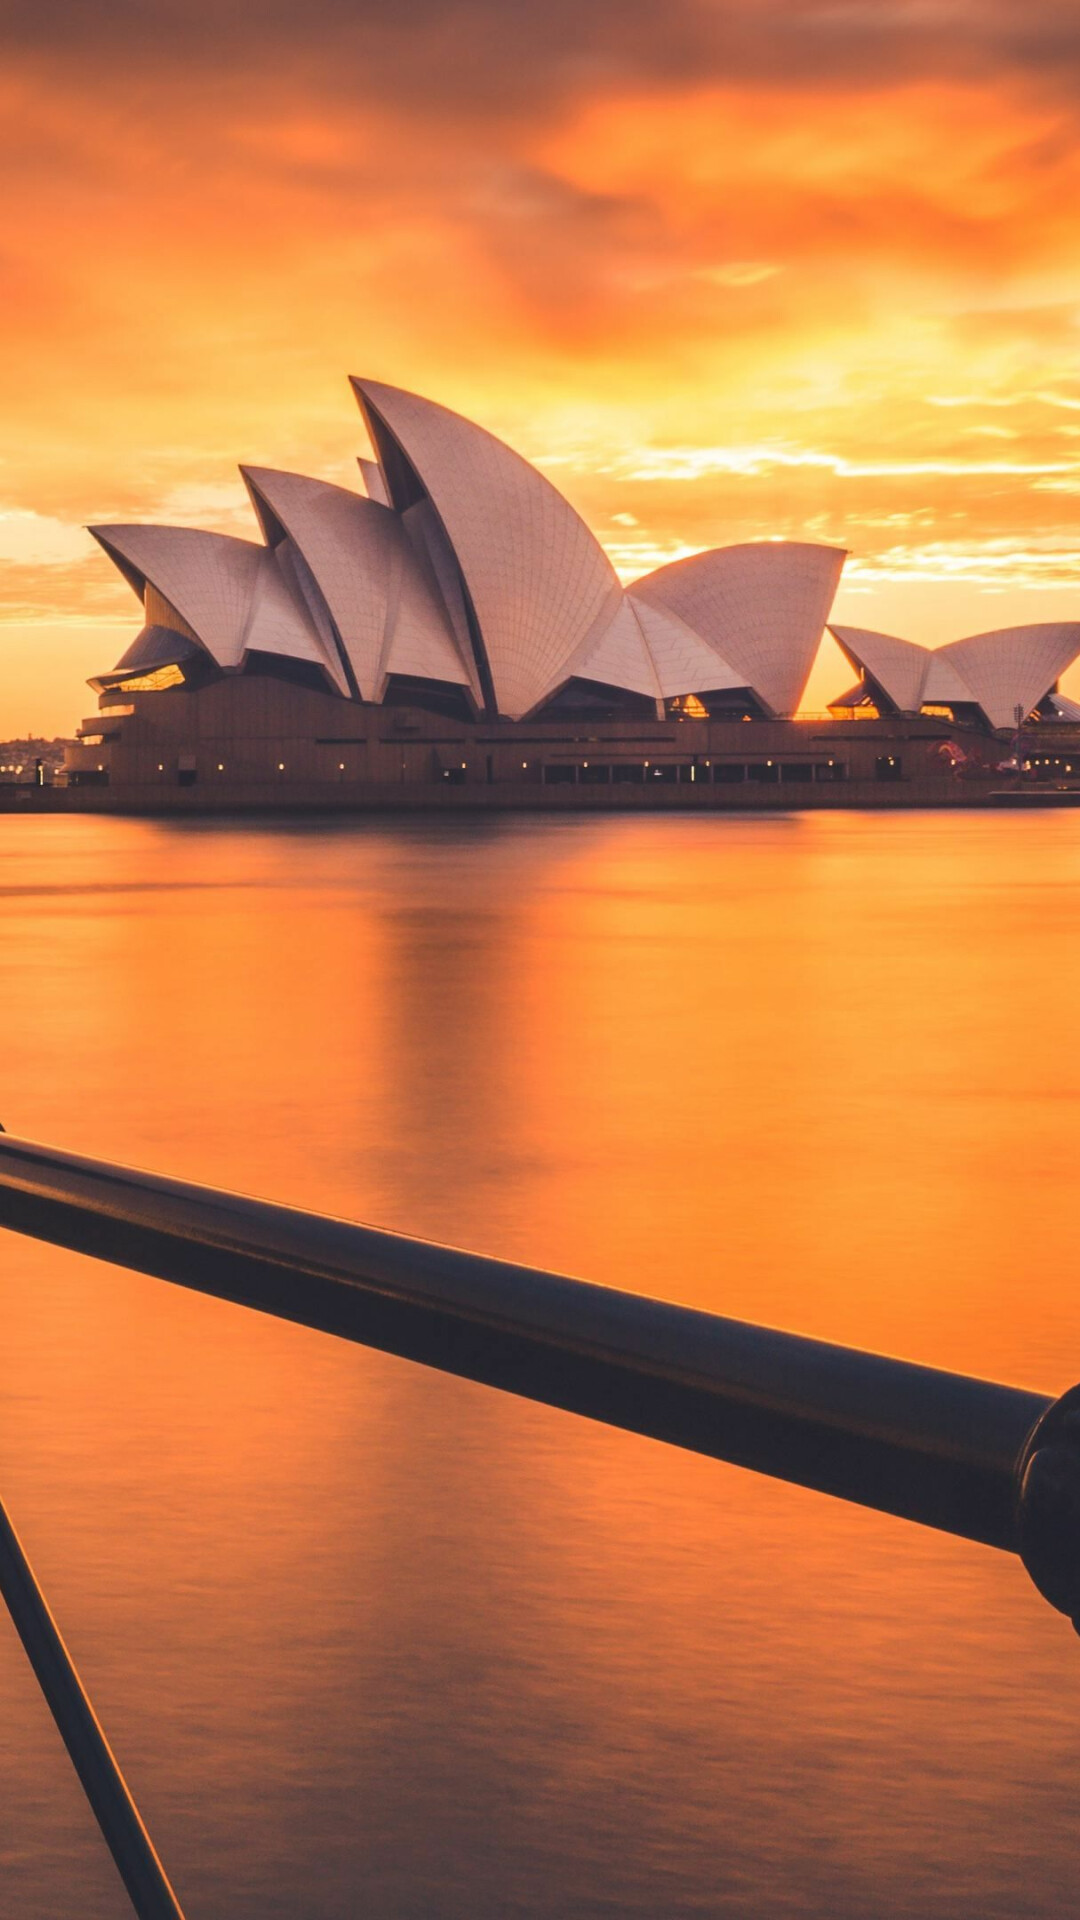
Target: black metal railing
990, 1463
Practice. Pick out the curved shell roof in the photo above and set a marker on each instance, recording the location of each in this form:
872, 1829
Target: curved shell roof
539, 581
620, 656
365, 568
998, 672
898, 666
230, 592
944, 683
684, 662
463, 565
1014, 666
653, 652
762, 607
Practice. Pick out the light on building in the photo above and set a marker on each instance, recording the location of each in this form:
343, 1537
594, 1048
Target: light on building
341, 766
160, 767
221, 766
281, 766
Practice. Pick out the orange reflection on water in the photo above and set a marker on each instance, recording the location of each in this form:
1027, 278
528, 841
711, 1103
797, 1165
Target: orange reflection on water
359, 1630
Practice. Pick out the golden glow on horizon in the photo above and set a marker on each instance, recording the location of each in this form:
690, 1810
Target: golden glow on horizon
843, 311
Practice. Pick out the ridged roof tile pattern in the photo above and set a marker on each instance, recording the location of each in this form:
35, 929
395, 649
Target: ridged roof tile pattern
944, 685
538, 579
898, 666
277, 624
364, 567
653, 652
1013, 667
442, 578
1000, 671
762, 607
684, 662
620, 657
229, 591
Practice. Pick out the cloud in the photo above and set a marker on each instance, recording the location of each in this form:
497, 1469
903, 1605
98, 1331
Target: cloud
816, 262
492, 57
35, 539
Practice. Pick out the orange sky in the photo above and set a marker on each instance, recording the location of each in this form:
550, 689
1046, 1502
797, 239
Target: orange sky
725, 271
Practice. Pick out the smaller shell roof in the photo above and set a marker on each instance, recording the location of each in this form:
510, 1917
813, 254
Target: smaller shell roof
944, 683
651, 651
683, 661
898, 666
230, 592
208, 577
761, 606
366, 570
999, 672
1013, 667
620, 657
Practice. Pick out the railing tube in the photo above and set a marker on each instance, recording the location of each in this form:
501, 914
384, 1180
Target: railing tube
992, 1463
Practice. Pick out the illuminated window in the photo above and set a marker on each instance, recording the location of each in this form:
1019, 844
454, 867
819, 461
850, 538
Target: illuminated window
152, 682
688, 707
856, 710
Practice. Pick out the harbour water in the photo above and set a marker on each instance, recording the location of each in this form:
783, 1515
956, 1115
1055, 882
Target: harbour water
369, 1640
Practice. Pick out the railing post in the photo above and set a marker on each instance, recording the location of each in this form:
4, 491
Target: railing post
103, 1783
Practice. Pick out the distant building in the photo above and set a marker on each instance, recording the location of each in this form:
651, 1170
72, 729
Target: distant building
458, 624
31, 760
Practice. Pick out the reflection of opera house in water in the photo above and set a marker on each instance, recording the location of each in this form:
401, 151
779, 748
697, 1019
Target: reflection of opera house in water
457, 636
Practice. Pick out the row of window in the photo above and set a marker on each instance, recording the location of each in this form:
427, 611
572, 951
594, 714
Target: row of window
639, 773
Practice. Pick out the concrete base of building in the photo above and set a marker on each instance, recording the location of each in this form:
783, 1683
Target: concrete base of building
259, 745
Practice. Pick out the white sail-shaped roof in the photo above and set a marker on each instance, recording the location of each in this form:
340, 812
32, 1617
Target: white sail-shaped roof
684, 663
276, 624
365, 568
898, 666
230, 592
998, 672
620, 657
1013, 667
762, 607
208, 577
651, 651
538, 580
944, 684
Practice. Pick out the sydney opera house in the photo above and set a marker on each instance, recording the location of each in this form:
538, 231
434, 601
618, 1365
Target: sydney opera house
455, 635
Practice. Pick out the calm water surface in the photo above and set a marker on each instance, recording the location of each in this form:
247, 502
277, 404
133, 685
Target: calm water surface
370, 1641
